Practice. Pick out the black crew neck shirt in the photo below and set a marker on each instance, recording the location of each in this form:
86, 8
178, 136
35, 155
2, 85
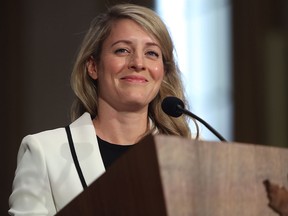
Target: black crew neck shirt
111, 152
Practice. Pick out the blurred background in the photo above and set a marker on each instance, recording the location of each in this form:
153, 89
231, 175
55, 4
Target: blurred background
233, 55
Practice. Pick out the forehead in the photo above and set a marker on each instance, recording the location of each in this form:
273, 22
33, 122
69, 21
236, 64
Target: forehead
128, 29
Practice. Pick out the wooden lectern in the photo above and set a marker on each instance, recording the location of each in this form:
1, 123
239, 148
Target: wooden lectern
173, 176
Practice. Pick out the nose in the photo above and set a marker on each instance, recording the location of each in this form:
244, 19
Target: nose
136, 62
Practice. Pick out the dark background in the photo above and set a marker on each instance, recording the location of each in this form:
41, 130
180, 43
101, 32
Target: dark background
39, 41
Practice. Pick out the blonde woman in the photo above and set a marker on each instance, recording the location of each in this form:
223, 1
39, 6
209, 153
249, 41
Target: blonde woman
124, 69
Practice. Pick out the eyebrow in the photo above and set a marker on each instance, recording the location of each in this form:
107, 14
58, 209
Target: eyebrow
130, 42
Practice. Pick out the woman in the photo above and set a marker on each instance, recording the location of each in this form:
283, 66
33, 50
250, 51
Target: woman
123, 71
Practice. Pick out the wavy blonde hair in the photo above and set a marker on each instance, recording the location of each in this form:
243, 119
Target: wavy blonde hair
85, 88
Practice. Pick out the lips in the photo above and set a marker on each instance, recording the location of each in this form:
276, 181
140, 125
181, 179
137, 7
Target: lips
134, 78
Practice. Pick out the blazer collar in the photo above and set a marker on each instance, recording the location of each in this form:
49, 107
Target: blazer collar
86, 146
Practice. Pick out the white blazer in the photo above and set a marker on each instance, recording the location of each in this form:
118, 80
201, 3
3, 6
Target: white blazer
46, 178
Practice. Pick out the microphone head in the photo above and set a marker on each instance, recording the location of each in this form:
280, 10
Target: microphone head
170, 105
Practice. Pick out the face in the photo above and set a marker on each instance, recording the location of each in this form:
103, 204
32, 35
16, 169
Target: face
130, 70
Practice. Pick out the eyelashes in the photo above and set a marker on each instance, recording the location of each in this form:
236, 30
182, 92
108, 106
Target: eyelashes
153, 53
125, 51
121, 51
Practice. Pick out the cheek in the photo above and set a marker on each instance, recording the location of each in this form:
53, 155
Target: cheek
107, 71
158, 72
112, 66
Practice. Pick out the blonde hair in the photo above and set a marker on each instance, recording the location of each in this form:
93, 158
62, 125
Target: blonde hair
85, 88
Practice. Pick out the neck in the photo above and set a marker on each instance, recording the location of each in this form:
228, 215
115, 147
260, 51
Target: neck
121, 127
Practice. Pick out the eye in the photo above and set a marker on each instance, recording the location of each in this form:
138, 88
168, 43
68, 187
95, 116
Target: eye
121, 51
153, 54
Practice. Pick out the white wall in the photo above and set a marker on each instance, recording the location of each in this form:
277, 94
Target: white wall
201, 33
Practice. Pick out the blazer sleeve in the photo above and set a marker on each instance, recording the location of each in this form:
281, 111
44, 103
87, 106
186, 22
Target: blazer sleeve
31, 194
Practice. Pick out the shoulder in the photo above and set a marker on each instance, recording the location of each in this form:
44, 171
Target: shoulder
82, 122
54, 138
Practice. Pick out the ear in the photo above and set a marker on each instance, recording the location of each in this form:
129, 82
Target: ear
92, 68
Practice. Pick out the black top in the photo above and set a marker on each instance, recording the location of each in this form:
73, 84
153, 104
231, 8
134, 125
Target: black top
110, 152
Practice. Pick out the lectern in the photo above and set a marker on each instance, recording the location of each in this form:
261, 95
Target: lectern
173, 176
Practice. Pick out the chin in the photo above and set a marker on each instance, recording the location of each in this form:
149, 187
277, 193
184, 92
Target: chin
137, 104
137, 100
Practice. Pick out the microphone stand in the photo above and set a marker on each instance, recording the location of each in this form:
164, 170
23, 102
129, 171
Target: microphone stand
187, 112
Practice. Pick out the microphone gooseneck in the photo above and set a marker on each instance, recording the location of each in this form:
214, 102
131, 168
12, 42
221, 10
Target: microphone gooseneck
174, 107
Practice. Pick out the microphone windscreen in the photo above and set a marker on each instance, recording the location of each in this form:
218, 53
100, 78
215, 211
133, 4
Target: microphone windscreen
170, 105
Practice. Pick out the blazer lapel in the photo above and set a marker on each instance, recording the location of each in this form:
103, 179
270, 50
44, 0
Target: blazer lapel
87, 149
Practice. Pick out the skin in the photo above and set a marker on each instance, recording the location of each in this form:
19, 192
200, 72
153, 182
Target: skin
129, 75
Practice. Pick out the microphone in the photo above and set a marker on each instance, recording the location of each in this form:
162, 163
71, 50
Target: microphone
174, 107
